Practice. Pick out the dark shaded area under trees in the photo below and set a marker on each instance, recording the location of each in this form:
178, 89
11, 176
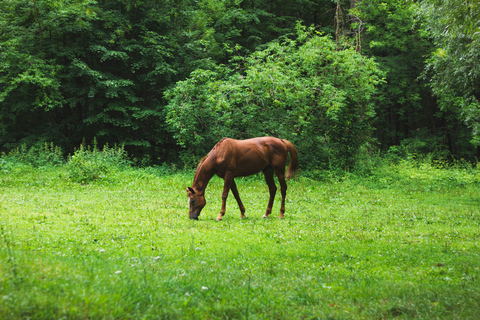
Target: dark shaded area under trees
126, 72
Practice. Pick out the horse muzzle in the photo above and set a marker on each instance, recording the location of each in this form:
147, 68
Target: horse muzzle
194, 215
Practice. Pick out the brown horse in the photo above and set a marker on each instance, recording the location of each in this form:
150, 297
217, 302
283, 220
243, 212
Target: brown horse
231, 158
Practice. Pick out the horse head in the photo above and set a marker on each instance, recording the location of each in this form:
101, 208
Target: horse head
196, 202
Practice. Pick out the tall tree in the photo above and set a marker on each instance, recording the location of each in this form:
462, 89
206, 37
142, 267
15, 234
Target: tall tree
30, 87
392, 37
407, 112
71, 70
454, 69
74, 70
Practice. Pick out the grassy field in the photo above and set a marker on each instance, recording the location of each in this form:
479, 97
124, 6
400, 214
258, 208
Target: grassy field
401, 243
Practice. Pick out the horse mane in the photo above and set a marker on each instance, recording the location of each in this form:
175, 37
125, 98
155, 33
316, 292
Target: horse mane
211, 154
215, 146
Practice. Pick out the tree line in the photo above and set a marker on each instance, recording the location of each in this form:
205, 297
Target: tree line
167, 79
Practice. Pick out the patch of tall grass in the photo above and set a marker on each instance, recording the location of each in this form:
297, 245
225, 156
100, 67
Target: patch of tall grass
87, 164
426, 172
35, 156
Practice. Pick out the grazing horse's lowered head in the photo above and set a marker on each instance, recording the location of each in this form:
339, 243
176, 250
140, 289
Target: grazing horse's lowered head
196, 202
231, 158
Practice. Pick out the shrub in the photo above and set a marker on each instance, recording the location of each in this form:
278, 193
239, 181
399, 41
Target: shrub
305, 91
89, 164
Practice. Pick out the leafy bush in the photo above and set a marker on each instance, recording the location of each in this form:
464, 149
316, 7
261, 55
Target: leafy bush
89, 164
305, 91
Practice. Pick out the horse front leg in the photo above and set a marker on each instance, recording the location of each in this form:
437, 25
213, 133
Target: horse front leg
272, 188
234, 189
228, 179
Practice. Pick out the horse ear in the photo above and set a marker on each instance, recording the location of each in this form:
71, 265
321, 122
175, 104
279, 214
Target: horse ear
190, 190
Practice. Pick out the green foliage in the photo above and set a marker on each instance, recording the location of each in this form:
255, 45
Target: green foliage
30, 67
304, 90
453, 70
392, 36
74, 70
90, 164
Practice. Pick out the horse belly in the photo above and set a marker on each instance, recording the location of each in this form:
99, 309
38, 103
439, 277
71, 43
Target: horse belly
250, 164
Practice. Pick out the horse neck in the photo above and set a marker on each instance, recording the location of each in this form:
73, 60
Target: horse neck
205, 172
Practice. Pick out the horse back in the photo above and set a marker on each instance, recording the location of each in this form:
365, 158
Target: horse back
247, 157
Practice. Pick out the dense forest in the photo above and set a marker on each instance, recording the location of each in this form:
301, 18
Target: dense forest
341, 79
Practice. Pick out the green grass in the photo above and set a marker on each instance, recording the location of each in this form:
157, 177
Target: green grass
401, 243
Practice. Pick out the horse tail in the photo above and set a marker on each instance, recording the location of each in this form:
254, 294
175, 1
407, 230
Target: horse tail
293, 166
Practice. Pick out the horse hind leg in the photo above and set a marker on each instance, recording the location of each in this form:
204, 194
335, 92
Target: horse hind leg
272, 188
283, 190
234, 189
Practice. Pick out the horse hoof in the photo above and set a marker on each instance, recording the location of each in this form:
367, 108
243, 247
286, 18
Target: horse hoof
264, 216
281, 216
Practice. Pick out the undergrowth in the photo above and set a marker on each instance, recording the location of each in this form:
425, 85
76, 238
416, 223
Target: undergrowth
86, 165
35, 156
396, 168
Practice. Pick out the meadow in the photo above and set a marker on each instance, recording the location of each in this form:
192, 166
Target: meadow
399, 243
